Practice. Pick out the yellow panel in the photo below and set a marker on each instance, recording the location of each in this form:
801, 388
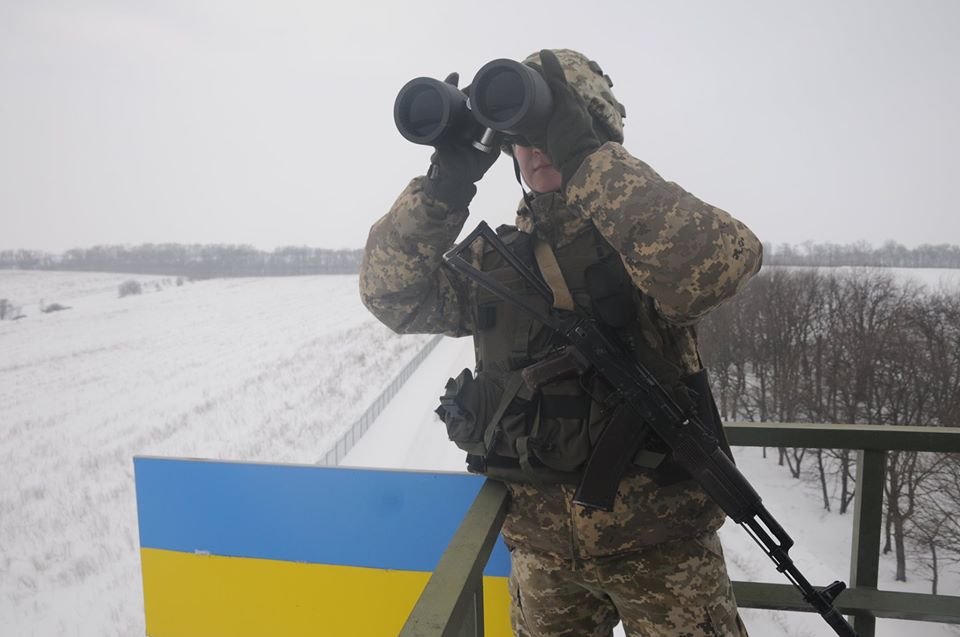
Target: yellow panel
189, 595
496, 607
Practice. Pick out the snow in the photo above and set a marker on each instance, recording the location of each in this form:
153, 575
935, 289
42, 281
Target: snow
242, 369
408, 434
935, 279
27, 288
266, 369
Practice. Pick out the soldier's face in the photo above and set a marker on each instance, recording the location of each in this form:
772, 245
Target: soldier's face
536, 169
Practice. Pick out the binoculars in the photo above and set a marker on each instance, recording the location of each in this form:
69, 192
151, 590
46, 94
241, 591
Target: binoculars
506, 98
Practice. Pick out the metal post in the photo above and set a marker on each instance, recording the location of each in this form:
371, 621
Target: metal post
451, 604
867, 529
473, 621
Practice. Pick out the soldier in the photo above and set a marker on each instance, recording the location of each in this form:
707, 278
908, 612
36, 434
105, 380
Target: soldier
642, 256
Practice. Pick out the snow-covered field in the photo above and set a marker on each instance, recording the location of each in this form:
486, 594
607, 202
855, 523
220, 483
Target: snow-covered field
935, 279
270, 369
247, 369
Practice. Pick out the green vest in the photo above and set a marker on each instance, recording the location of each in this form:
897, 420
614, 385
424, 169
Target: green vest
513, 433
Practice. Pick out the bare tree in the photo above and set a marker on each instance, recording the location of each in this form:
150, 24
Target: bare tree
849, 348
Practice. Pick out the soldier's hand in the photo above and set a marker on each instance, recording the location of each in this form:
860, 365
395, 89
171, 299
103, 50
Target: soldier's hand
569, 135
455, 167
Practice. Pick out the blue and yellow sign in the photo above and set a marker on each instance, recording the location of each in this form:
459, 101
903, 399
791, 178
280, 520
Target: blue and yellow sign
245, 549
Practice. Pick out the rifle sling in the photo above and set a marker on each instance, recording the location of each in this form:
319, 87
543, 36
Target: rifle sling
514, 381
550, 268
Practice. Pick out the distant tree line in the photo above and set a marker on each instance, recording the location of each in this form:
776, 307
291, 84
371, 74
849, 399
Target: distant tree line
195, 261
216, 260
890, 255
854, 347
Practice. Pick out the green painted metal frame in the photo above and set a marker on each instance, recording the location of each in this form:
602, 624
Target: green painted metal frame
860, 437
452, 602
886, 604
862, 601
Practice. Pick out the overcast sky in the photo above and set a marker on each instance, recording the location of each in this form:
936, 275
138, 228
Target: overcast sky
271, 124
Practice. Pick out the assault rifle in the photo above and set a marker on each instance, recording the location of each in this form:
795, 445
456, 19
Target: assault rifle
647, 409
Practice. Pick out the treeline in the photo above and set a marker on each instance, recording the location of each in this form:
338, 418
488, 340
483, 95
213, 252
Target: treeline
202, 261
890, 255
196, 261
856, 347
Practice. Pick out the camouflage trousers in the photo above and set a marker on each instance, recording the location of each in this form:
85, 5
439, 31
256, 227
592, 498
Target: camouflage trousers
675, 589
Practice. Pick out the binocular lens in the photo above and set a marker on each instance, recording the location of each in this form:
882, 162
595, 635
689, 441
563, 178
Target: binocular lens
501, 96
428, 111
424, 112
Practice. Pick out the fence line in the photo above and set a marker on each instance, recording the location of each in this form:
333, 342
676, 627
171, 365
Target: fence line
358, 428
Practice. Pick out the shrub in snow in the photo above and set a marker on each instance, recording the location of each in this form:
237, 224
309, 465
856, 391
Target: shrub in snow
9, 311
130, 287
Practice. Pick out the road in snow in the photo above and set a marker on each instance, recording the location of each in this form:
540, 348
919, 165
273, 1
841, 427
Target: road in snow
408, 435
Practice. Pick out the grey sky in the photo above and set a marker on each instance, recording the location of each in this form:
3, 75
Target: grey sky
270, 123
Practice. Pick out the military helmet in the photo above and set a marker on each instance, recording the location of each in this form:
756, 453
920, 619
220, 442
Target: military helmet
589, 81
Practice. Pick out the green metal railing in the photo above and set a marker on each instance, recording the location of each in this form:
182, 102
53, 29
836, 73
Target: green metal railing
452, 602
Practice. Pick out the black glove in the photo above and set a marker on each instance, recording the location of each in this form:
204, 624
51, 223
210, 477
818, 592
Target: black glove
455, 167
569, 135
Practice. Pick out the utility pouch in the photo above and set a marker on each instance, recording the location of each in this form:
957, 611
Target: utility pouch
611, 292
560, 437
466, 406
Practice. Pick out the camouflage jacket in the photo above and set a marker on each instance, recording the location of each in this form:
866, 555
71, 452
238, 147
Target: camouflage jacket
685, 255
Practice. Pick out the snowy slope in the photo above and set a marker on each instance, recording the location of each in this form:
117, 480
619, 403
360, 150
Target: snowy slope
934, 279
242, 369
409, 435
26, 289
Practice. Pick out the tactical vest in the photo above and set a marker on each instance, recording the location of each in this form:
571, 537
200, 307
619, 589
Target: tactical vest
512, 433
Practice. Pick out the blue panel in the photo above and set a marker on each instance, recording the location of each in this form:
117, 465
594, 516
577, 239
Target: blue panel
323, 515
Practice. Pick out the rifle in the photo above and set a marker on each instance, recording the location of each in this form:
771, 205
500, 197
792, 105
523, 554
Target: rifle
647, 409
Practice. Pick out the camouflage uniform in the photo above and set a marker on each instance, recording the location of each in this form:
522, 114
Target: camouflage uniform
654, 561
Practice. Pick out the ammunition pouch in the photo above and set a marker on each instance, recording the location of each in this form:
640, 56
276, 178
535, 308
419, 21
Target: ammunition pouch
547, 437
466, 406
511, 433
611, 292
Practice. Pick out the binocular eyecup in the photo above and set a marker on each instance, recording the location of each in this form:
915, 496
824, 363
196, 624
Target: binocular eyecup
506, 98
